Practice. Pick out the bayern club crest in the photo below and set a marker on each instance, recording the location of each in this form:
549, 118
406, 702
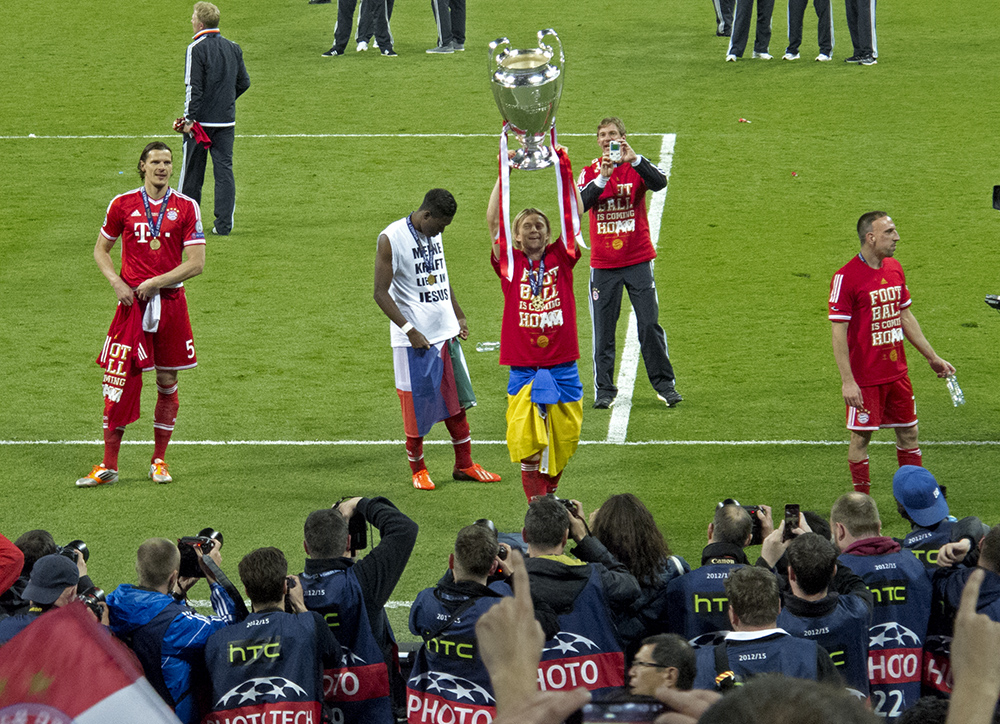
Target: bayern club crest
453, 688
264, 689
172, 214
863, 417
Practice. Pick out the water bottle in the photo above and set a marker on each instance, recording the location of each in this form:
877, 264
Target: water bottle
489, 347
957, 397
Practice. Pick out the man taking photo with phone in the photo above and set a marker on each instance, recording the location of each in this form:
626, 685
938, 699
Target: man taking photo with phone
613, 189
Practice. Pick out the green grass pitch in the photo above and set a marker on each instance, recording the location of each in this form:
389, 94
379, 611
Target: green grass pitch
293, 348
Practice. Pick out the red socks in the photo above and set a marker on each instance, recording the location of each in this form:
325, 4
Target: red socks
461, 438
164, 417
532, 480
909, 456
859, 476
112, 443
415, 453
859, 471
551, 482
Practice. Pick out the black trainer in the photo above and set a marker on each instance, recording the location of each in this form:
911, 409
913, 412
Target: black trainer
994, 301
603, 401
853, 59
670, 397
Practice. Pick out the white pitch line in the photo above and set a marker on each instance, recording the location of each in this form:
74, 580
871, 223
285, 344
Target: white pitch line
347, 443
290, 135
629, 367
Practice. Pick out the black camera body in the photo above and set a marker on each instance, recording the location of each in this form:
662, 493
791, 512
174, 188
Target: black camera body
491, 526
205, 541
74, 549
757, 529
357, 528
93, 597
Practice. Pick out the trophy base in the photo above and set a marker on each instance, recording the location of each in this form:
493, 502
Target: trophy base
532, 159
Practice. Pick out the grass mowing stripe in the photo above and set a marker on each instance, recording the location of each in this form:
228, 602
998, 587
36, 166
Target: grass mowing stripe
628, 369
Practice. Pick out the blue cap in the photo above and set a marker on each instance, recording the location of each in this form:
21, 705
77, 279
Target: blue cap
50, 576
918, 492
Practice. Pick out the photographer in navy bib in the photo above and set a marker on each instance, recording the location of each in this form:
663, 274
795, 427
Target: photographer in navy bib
270, 665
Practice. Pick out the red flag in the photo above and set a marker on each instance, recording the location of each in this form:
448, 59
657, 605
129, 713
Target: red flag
123, 358
66, 667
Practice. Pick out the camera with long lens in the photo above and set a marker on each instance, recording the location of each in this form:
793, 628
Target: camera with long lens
205, 541
94, 598
74, 549
491, 526
757, 531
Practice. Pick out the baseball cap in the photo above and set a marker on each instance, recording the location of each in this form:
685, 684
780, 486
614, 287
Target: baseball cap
918, 492
50, 576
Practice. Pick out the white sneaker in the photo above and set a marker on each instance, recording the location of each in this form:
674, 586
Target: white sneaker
730, 58
100, 475
762, 56
375, 44
159, 473
823, 57
790, 56
362, 46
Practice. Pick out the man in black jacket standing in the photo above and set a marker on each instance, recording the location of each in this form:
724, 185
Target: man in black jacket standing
214, 76
350, 593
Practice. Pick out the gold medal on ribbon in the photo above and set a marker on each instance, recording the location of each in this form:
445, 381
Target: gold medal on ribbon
537, 305
154, 244
431, 279
543, 341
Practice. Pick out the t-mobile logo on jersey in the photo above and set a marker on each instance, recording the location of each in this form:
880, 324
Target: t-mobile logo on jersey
142, 232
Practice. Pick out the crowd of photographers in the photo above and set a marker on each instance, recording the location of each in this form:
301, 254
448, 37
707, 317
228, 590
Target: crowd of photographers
833, 618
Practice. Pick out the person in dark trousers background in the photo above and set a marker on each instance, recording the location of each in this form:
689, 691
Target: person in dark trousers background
214, 77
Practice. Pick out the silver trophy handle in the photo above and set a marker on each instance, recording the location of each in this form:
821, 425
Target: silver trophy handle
500, 43
542, 34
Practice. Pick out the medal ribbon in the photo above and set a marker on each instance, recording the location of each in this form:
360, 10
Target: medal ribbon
426, 252
506, 238
154, 228
535, 277
569, 212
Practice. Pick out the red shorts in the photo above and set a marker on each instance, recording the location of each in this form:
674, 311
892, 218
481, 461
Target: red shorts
172, 344
889, 405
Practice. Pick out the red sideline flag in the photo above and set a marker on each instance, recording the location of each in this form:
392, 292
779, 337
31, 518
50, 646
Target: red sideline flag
66, 668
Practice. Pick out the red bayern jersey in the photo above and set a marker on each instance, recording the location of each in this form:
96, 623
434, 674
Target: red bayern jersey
619, 229
539, 331
126, 218
869, 301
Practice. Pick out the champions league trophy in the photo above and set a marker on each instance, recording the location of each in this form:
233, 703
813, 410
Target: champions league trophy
527, 85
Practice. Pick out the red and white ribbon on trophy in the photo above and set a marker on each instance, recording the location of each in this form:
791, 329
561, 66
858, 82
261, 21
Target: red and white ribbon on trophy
569, 211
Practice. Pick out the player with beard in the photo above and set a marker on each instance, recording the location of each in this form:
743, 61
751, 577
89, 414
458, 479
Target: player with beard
870, 314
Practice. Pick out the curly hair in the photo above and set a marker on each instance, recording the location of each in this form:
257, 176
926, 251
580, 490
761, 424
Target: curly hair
627, 529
